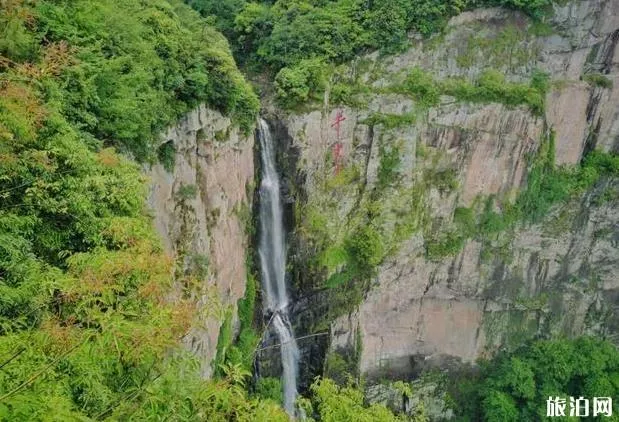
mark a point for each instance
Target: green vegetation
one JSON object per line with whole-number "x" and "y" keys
{"x": 332, "y": 403}
{"x": 342, "y": 366}
{"x": 341, "y": 369}
{"x": 329, "y": 402}
{"x": 242, "y": 351}
{"x": 390, "y": 121}
{"x": 362, "y": 251}
{"x": 444, "y": 244}
{"x": 598, "y": 79}
{"x": 166, "y": 154}
{"x": 444, "y": 180}
{"x": 269, "y": 388}
{"x": 514, "y": 386}
{"x": 388, "y": 166}
{"x": 121, "y": 74}
{"x": 296, "y": 85}
{"x": 365, "y": 249}
{"x": 509, "y": 48}
{"x": 548, "y": 184}
{"x": 87, "y": 328}
{"x": 420, "y": 86}
{"x": 491, "y": 86}
{"x": 224, "y": 341}
{"x": 346, "y": 176}
{"x": 284, "y": 33}
{"x": 186, "y": 192}
{"x": 290, "y": 37}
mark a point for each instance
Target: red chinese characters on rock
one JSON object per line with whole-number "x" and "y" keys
{"x": 337, "y": 147}
{"x": 337, "y": 157}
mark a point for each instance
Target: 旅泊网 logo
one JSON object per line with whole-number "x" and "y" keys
{"x": 579, "y": 407}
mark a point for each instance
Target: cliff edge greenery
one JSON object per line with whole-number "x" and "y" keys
{"x": 297, "y": 40}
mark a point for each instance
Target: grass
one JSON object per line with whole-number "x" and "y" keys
{"x": 506, "y": 48}
{"x": 444, "y": 244}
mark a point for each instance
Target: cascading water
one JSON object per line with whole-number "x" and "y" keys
{"x": 272, "y": 251}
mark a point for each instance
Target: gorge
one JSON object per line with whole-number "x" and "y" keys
{"x": 395, "y": 210}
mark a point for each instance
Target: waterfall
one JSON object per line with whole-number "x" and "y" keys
{"x": 272, "y": 251}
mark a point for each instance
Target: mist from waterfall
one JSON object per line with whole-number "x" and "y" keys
{"x": 272, "y": 251}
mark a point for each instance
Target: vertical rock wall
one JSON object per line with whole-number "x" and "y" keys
{"x": 558, "y": 277}
{"x": 201, "y": 208}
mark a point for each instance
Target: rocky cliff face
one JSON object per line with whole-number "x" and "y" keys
{"x": 201, "y": 206}
{"x": 407, "y": 158}
{"x": 556, "y": 281}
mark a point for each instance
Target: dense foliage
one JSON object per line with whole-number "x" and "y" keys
{"x": 121, "y": 71}
{"x": 515, "y": 386}
{"x": 87, "y": 330}
{"x": 84, "y": 321}
{"x": 333, "y": 403}
{"x": 297, "y": 38}
{"x": 282, "y": 33}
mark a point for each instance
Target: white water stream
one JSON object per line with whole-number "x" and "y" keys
{"x": 272, "y": 251}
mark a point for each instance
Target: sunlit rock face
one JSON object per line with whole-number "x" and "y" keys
{"x": 201, "y": 207}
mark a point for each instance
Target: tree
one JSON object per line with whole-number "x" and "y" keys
{"x": 514, "y": 386}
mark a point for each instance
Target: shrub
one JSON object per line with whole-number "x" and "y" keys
{"x": 532, "y": 7}
{"x": 444, "y": 244}
{"x": 127, "y": 88}
{"x": 540, "y": 81}
{"x": 298, "y": 84}
{"x": 388, "y": 166}
{"x": 166, "y": 154}
{"x": 598, "y": 79}
{"x": 444, "y": 180}
{"x": 85, "y": 283}
{"x": 547, "y": 186}
{"x": 390, "y": 121}
{"x": 187, "y": 192}
{"x": 365, "y": 248}
{"x": 490, "y": 86}
{"x": 422, "y": 87}
{"x": 334, "y": 403}
{"x": 280, "y": 34}
{"x": 464, "y": 218}
{"x": 269, "y": 388}
{"x": 224, "y": 341}
{"x": 224, "y": 12}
